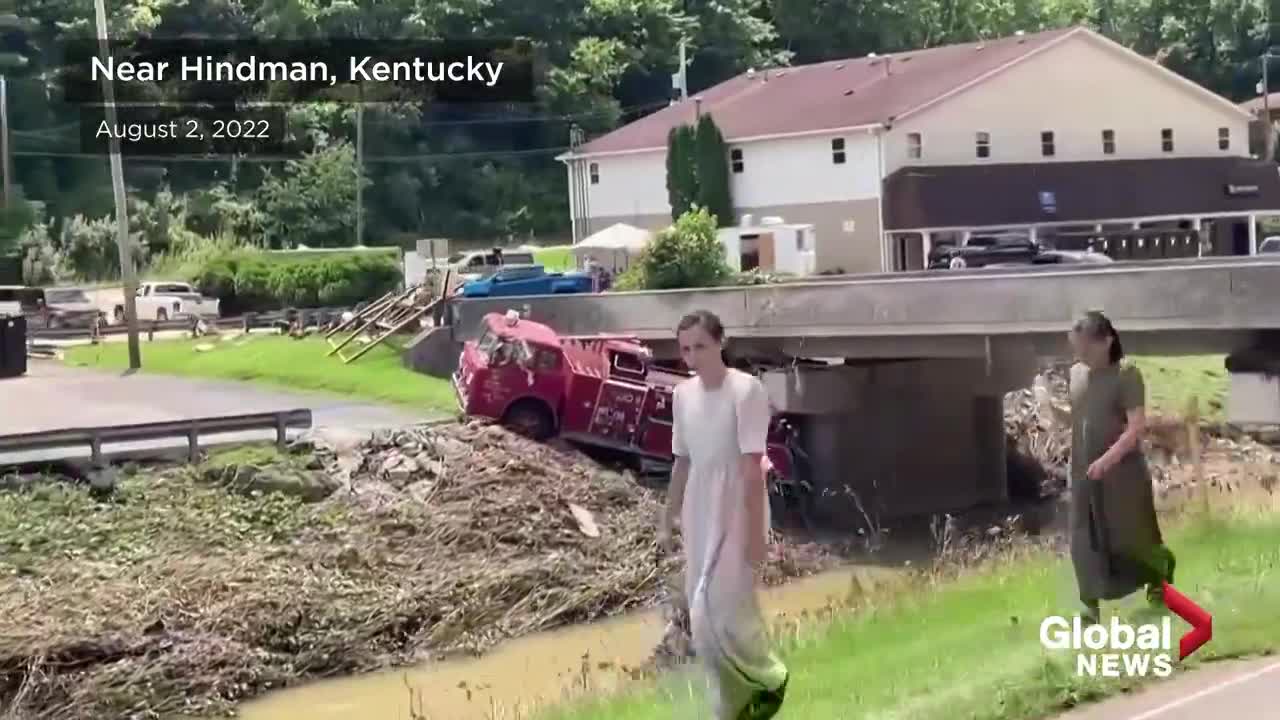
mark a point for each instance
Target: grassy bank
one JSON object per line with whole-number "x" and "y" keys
{"x": 1172, "y": 382}
{"x": 283, "y": 362}
{"x": 969, "y": 647}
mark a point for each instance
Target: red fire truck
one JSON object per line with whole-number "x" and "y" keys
{"x": 601, "y": 390}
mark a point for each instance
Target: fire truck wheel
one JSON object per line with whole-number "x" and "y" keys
{"x": 531, "y": 419}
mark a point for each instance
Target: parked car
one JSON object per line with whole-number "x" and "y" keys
{"x": 528, "y": 280}
{"x": 163, "y": 301}
{"x": 1270, "y": 245}
{"x": 984, "y": 250}
{"x": 602, "y": 391}
{"x": 69, "y": 307}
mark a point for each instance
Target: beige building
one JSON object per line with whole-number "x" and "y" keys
{"x": 1059, "y": 134}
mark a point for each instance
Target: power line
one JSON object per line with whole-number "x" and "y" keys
{"x": 73, "y": 126}
{"x": 286, "y": 158}
{"x": 536, "y": 118}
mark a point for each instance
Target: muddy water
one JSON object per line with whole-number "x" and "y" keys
{"x": 521, "y": 673}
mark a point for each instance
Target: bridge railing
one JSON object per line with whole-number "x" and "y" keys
{"x": 191, "y": 429}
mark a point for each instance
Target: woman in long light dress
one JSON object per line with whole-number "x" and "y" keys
{"x": 719, "y": 498}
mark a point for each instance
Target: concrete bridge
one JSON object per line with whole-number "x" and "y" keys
{"x": 912, "y": 420}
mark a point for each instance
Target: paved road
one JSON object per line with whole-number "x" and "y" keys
{"x": 1244, "y": 690}
{"x": 53, "y": 396}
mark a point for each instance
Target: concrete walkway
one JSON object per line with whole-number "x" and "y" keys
{"x": 53, "y": 396}
{"x": 1234, "y": 690}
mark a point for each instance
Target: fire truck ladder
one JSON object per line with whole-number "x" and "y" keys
{"x": 387, "y": 316}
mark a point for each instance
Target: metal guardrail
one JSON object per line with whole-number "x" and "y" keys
{"x": 247, "y": 321}
{"x": 192, "y": 429}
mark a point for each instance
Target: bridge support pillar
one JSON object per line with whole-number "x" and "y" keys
{"x": 890, "y": 439}
{"x": 1253, "y": 398}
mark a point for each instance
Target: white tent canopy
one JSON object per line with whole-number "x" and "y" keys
{"x": 617, "y": 244}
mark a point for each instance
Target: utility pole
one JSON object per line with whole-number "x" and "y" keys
{"x": 684, "y": 73}
{"x": 130, "y": 281}
{"x": 360, "y": 170}
{"x": 1269, "y": 128}
{"x": 680, "y": 78}
{"x": 4, "y": 141}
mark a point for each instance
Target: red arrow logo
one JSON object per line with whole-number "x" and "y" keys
{"x": 1201, "y": 621}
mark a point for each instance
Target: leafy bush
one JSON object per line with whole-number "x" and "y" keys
{"x": 685, "y": 255}
{"x": 91, "y": 251}
{"x": 250, "y": 280}
{"x": 189, "y": 254}
{"x": 43, "y": 263}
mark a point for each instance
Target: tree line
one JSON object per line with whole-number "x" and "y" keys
{"x": 489, "y": 173}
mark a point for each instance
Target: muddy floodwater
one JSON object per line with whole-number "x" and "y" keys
{"x": 527, "y": 671}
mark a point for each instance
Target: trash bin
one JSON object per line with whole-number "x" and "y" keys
{"x": 13, "y": 346}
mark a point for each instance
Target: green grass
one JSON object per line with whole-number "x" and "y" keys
{"x": 377, "y": 376}
{"x": 1172, "y": 382}
{"x": 969, "y": 648}
{"x": 555, "y": 259}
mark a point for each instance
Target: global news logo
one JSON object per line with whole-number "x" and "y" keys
{"x": 1130, "y": 651}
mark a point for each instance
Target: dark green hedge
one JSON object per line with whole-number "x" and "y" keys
{"x": 257, "y": 282}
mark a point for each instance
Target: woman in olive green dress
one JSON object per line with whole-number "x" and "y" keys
{"x": 1116, "y": 544}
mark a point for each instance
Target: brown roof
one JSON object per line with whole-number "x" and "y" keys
{"x": 1010, "y": 194}
{"x": 829, "y": 95}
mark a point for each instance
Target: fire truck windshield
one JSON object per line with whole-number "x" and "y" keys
{"x": 487, "y": 343}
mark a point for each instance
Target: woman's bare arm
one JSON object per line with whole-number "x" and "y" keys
{"x": 1135, "y": 425}
{"x": 675, "y": 493}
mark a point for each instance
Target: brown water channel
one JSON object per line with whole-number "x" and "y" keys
{"x": 519, "y": 674}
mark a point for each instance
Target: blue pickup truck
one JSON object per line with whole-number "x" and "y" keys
{"x": 527, "y": 280}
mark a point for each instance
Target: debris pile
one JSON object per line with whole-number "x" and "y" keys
{"x": 194, "y": 588}
{"x": 1039, "y": 447}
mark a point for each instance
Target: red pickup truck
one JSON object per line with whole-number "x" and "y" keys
{"x": 601, "y": 390}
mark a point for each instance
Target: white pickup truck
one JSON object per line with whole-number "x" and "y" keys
{"x": 168, "y": 301}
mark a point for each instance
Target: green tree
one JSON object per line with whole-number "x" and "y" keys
{"x": 313, "y": 201}
{"x": 685, "y": 255}
{"x": 713, "y": 172}
{"x": 682, "y": 180}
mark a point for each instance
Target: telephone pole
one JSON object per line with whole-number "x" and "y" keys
{"x": 360, "y": 170}
{"x": 1268, "y": 125}
{"x": 127, "y": 276}
{"x": 4, "y": 141}
{"x": 679, "y": 78}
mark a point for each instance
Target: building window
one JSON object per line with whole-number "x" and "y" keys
{"x": 837, "y": 151}
{"x": 915, "y": 146}
{"x": 1224, "y": 138}
{"x": 595, "y": 173}
{"x": 1166, "y": 139}
{"x": 1108, "y": 142}
{"x": 983, "y": 145}
{"x": 735, "y": 159}
{"x": 1046, "y": 143}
